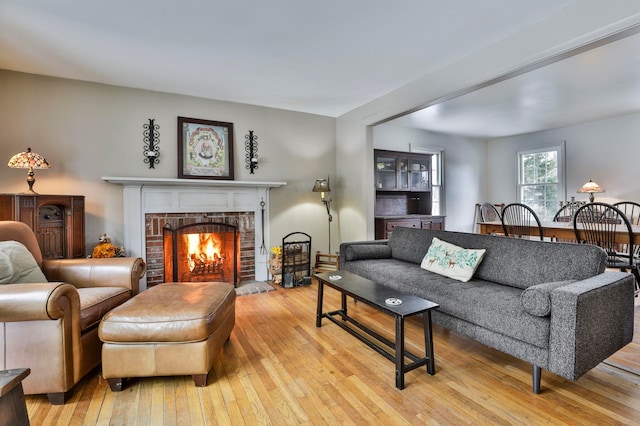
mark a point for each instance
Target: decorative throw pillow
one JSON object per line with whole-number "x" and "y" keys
{"x": 536, "y": 299}
{"x": 17, "y": 264}
{"x": 367, "y": 251}
{"x": 452, "y": 261}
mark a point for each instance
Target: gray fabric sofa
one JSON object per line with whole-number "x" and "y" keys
{"x": 550, "y": 304}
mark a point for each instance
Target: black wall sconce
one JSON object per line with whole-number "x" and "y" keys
{"x": 151, "y": 140}
{"x": 251, "y": 151}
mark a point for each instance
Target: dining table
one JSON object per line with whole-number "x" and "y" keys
{"x": 560, "y": 231}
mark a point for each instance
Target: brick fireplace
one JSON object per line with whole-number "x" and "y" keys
{"x": 150, "y": 203}
{"x": 157, "y": 224}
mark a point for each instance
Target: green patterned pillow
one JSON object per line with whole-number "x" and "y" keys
{"x": 17, "y": 264}
{"x": 452, "y": 261}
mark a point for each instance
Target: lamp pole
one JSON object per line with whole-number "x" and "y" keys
{"x": 327, "y": 204}
{"x": 322, "y": 186}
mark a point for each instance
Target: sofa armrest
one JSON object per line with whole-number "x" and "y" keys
{"x": 344, "y": 247}
{"x": 97, "y": 272}
{"x": 38, "y": 301}
{"x": 590, "y": 320}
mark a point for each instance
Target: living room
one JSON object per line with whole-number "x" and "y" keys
{"x": 89, "y": 130}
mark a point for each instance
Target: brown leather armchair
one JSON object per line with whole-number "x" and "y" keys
{"x": 52, "y": 327}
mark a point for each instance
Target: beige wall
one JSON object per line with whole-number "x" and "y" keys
{"x": 87, "y": 131}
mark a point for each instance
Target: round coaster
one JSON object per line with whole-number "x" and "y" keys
{"x": 393, "y": 301}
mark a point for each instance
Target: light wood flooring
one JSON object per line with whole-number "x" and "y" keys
{"x": 279, "y": 369}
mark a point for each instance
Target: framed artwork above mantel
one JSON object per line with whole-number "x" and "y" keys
{"x": 205, "y": 149}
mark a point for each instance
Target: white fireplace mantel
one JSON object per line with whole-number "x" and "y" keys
{"x": 141, "y": 181}
{"x": 167, "y": 195}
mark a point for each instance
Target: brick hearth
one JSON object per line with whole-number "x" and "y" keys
{"x": 155, "y": 222}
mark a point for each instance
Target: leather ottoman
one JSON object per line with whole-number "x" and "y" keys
{"x": 171, "y": 329}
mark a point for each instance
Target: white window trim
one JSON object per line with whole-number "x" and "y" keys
{"x": 435, "y": 150}
{"x": 561, "y": 149}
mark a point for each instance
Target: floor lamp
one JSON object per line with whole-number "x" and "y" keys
{"x": 322, "y": 186}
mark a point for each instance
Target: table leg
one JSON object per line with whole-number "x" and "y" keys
{"x": 344, "y": 306}
{"x": 319, "y": 308}
{"x": 399, "y": 352}
{"x": 428, "y": 343}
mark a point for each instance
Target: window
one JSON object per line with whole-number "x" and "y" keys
{"x": 541, "y": 179}
{"x": 437, "y": 178}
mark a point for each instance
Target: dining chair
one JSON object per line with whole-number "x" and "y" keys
{"x": 520, "y": 221}
{"x": 490, "y": 213}
{"x": 566, "y": 212}
{"x": 606, "y": 226}
{"x": 631, "y": 210}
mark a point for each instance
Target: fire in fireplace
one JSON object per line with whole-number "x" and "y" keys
{"x": 205, "y": 251}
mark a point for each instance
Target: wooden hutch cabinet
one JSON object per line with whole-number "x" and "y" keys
{"x": 403, "y": 192}
{"x": 57, "y": 221}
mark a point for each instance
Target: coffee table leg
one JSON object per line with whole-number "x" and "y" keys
{"x": 319, "y": 309}
{"x": 428, "y": 343}
{"x": 399, "y": 352}
{"x": 344, "y": 306}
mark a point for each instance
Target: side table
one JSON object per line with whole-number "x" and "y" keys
{"x": 13, "y": 408}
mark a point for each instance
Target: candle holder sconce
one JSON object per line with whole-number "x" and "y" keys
{"x": 151, "y": 140}
{"x": 251, "y": 151}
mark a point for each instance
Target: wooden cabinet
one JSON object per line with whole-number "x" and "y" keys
{"x": 401, "y": 171}
{"x": 403, "y": 192}
{"x": 402, "y": 183}
{"x": 386, "y": 225}
{"x": 433, "y": 222}
{"x": 57, "y": 221}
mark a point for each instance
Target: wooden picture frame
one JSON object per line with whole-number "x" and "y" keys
{"x": 205, "y": 149}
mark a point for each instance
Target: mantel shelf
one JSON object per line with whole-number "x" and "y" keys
{"x": 143, "y": 181}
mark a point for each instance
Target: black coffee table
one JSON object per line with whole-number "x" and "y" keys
{"x": 381, "y": 298}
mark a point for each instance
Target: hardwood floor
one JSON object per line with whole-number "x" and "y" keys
{"x": 278, "y": 369}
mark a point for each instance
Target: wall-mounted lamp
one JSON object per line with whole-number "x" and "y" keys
{"x": 322, "y": 186}
{"x": 251, "y": 151}
{"x": 151, "y": 140}
{"x": 29, "y": 160}
{"x": 591, "y": 187}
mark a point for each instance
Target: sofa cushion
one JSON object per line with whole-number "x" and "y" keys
{"x": 409, "y": 246}
{"x": 17, "y": 264}
{"x": 368, "y": 251}
{"x": 451, "y": 260}
{"x": 95, "y": 302}
{"x": 493, "y": 306}
{"x": 511, "y": 261}
{"x": 537, "y": 299}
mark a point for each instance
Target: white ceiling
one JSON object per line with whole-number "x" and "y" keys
{"x": 324, "y": 57}
{"x": 598, "y": 83}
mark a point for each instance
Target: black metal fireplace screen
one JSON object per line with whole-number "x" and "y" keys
{"x": 197, "y": 252}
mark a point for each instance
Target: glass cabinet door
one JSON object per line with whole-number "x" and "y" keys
{"x": 420, "y": 172}
{"x": 386, "y": 167}
{"x": 403, "y": 173}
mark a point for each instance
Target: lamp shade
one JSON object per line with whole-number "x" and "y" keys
{"x": 28, "y": 159}
{"x": 321, "y": 185}
{"x": 591, "y": 187}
